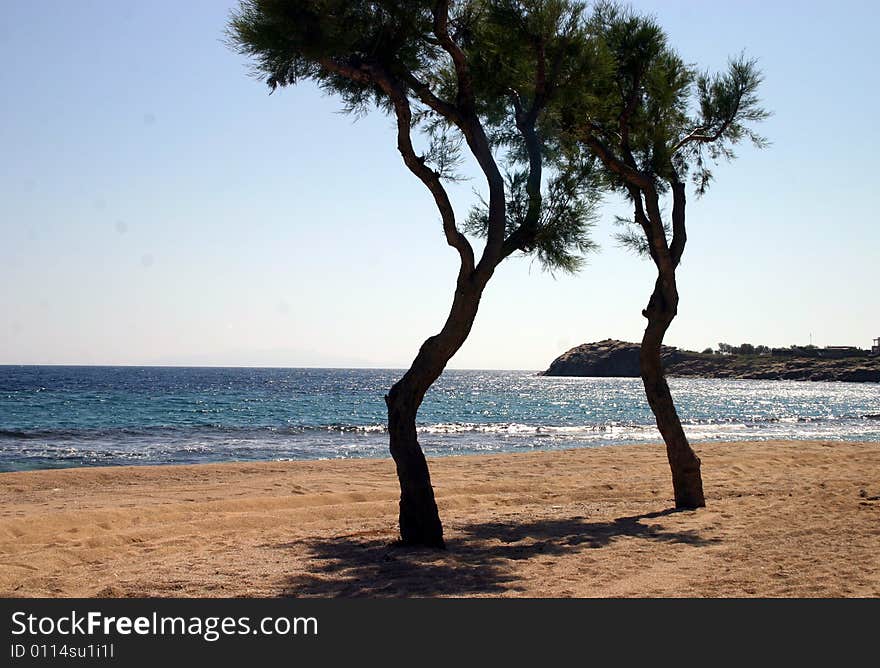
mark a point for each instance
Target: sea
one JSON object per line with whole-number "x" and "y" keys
{"x": 65, "y": 416}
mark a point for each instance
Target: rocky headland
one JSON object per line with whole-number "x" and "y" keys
{"x": 612, "y": 358}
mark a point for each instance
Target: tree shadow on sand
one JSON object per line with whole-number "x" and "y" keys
{"x": 479, "y": 559}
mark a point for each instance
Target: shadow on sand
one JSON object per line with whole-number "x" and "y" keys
{"x": 478, "y": 560}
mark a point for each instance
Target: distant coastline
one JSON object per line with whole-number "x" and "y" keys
{"x": 612, "y": 358}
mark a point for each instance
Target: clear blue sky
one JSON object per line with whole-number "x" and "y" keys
{"x": 157, "y": 206}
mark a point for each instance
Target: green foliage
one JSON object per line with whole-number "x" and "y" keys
{"x": 642, "y": 88}
{"x": 527, "y": 58}
{"x": 728, "y": 103}
{"x": 286, "y": 40}
{"x": 523, "y": 57}
{"x": 563, "y": 239}
{"x": 649, "y": 120}
{"x": 443, "y": 153}
{"x": 566, "y": 219}
{"x": 632, "y": 237}
{"x": 477, "y": 221}
{"x": 657, "y": 113}
{"x": 544, "y": 71}
{"x": 506, "y": 46}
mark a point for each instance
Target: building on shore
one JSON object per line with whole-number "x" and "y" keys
{"x": 828, "y": 352}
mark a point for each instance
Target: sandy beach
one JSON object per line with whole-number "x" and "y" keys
{"x": 783, "y": 519}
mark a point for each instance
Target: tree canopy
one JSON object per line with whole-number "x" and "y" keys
{"x": 554, "y": 103}
{"x": 654, "y": 121}
{"x": 651, "y": 121}
{"x": 489, "y": 74}
{"x": 485, "y": 74}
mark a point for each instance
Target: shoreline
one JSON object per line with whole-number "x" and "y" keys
{"x": 431, "y": 454}
{"x": 783, "y": 518}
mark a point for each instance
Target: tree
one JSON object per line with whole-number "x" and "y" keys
{"x": 652, "y": 121}
{"x": 434, "y": 67}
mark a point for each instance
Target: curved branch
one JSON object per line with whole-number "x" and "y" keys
{"x": 403, "y": 112}
{"x": 624, "y": 118}
{"x": 475, "y": 136}
{"x": 541, "y": 87}
{"x": 429, "y": 98}
{"x": 524, "y": 235}
{"x": 696, "y": 135}
{"x": 459, "y": 60}
{"x": 659, "y": 246}
{"x": 679, "y": 231}
{"x": 629, "y": 174}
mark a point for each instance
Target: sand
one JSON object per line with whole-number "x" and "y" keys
{"x": 782, "y": 519}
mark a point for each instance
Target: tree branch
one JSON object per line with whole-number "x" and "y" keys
{"x": 524, "y": 235}
{"x": 459, "y": 60}
{"x": 540, "y": 99}
{"x": 641, "y": 218}
{"x": 658, "y": 244}
{"x": 679, "y": 232}
{"x": 475, "y": 136}
{"x": 628, "y": 173}
{"x": 696, "y": 135}
{"x": 624, "y": 118}
{"x": 430, "y": 99}
{"x": 403, "y": 112}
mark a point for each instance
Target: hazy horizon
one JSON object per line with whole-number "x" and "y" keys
{"x": 246, "y": 365}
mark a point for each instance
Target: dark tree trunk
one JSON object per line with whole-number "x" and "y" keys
{"x": 687, "y": 482}
{"x": 419, "y": 519}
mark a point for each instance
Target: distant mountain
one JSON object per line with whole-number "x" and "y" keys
{"x": 612, "y": 358}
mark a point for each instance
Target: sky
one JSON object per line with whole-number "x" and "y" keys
{"x": 158, "y": 206}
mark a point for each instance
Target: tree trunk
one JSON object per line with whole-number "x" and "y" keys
{"x": 687, "y": 482}
{"x": 419, "y": 519}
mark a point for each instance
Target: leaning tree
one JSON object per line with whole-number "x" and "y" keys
{"x": 480, "y": 74}
{"x": 653, "y": 122}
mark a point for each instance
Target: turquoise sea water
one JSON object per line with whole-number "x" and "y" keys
{"x": 80, "y": 416}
